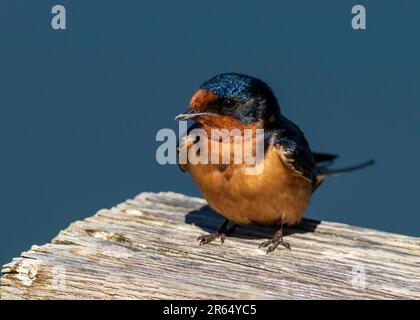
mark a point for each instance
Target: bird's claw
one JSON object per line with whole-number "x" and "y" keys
{"x": 272, "y": 244}
{"x": 207, "y": 238}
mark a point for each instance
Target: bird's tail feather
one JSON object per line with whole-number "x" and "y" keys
{"x": 325, "y": 171}
{"x": 324, "y": 157}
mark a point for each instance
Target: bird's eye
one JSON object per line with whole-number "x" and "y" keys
{"x": 229, "y": 103}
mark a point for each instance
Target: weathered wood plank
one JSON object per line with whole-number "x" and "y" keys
{"x": 145, "y": 248}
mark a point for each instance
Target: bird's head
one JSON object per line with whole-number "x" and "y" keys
{"x": 233, "y": 100}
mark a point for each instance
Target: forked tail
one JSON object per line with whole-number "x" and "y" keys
{"x": 325, "y": 171}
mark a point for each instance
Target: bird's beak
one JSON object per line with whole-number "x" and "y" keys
{"x": 191, "y": 115}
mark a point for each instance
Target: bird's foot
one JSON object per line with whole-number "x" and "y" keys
{"x": 274, "y": 242}
{"x": 222, "y": 234}
{"x": 207, "y": 238}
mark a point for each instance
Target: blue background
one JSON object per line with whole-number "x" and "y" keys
{"x": 79, "y": 109}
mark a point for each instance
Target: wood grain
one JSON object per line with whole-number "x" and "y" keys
{"x": 145, "y": 248}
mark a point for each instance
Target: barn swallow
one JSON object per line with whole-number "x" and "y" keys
{"x": 278, "y": 195}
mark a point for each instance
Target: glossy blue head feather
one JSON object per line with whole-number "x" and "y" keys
{"x": 254, "y": 99}
{"x": 230, "y": 85}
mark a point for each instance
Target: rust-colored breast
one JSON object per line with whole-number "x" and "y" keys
{"x": 274, "y": 196}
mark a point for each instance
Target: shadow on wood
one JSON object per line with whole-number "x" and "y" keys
{"x": 209, "y": 221}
